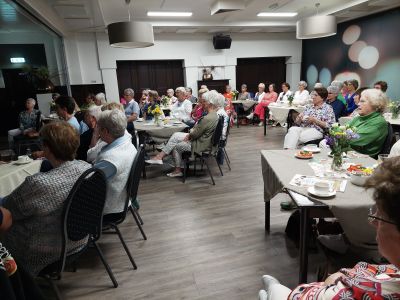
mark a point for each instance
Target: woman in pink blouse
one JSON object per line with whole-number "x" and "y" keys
{"x": 268, "y": 98}
{"x": 363, "y": 281}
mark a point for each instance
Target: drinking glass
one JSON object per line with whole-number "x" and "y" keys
{"x": 382, "y": 157}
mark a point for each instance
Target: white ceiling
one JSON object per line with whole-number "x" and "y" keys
{"x": 95, "y": 15}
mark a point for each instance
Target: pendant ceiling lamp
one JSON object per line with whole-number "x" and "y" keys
{"x": 130, "y": 34}
{"x": 316, "y": 26}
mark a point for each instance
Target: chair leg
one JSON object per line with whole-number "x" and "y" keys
{"x": 209, "y": 171}
{"x": 125, "y": 246}
{"x": 219, "y": 166}
{"x": 138, "y": 215}
{"x": 185, "y": 169}
{"x": 226, "y": 155}
{"x": 54, "y": 287}
{"x": 227, "y": 160}
{"x": 135, "y": 217}
{"x": 108, "y": 269}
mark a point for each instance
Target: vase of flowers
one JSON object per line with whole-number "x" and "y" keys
{"x": 290, "y": 99}
{"x": 394, "y": 107}
{"x": 156, "y": 112}
{"x": 165, "y": 100}
{"x": 338, "y": 139}
{"x": 234, "y": 94}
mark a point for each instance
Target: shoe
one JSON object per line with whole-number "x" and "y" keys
{"x": 284, "y": 125}
{"x": 154, "y": 161}
{"x": 260, "y": 124}
{"x": 334, "y": 242}
{"x": 275, "y": 124}
{"x": 250, "y": 116}
{"x": 180, "y": 174}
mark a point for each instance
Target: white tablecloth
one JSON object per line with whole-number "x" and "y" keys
{"x": 280, "y": 112}
{"x": 247, "y": 104}
{"x": 12, "y": 175}
{"x": 160, "y": 133}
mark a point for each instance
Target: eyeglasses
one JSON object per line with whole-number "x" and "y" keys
{"x": 372, "y": 216}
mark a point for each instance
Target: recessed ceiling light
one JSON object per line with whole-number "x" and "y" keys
{"x": 17, "y": 60}
{"x": 277, "y": 14}
{"x": 168, "y": 14}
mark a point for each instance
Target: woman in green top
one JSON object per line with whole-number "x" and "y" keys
{"x": 370, "y": 124}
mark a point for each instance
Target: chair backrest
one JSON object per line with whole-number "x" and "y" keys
{"x": 135, "y": 175}
{"x": 83, "y": 209}
{"x": 387, "y": 145}
{"x": 218, "y": 131}
{"x": 38, "y": 120}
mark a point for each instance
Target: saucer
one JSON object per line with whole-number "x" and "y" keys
{"x": 311, "y": 149}
{"x": 22, "y": 162}
{"x": 177, "y": 123}
{"x": 327, "y": 194}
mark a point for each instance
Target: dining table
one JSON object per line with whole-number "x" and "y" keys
{"x": 246, "y": 104}
{"x": 13, "y": 174}
{"x": 280, "y": 111}
{"x": 159, "y": 132}
{"x": 350, "y": 207}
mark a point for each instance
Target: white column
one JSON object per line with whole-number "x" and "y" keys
{"x": 293, "y": 71}
{"x": 110, "y": 84}
{"x": 191, "y": 77}
{"x": 230, "y": 71}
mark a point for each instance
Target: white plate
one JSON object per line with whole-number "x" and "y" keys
{"x": 311, "y": 149}
{"x": 313, "y": 192}
{"x": 139, "y": 120}
{"x": 177, "y": 123}
{"x": 23, "y": 162}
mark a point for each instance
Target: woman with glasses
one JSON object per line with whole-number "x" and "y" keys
{"x": 312, "y": 122}
{"x": 352, "y": 86}
{"x": 364, "y": 281}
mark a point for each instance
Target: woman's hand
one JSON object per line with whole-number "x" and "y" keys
{"x": 187, "y": 138}
{"x": 332, "y": 278}
{"x": 312, "y": 120}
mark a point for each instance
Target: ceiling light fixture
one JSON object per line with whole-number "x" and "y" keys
{"x": 316, "y": 26}
{"x": 130, "y": 34}
{"x": 168, "y": 14}
{"x": 277, "y": 14}
{"x": 17, "y": 60}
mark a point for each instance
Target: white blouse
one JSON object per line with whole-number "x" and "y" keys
{"x": 301, "y": 98}
{"x": 283, "y": 98}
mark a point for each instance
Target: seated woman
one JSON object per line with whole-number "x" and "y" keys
{"x": 88, "y": 102}
{"x": 301, "y": 96}
{"x": 364, "y": 281}
{"x": 198, "y": 112}
{"x": 352, "y": 86}
{"x": 312, "y": 122}
{"x": 27, "y": 121}
{"x": 151, "y": 105}
{"x": 268, "y": 98}
{"x": 37, "y": 204}
{"x": 196, "y": 141}
{"x": 370, "y": 125}
{"x": 244, "y": 94}
{"x": 356, "y": 98}
{"x": 100, "y": 99}
{"x": 171, "y": 97}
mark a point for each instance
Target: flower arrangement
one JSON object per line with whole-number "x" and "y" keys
{"x": 290, "y": 99}
{"x": 234, "y": 94}
{"x": 156, "y": 112}
{"x": 165, "y": 100}
{"x": 338, "y": 139}
{"x": 394, "y": 107}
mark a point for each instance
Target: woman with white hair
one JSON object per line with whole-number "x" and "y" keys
{"x": 100, "y": 99}
{"x": 301, "y": 96}
{"x": 198, "y": 140}
{"x": 171, "y": 97}
{"x": 370, "y": 125}
{"x": 182, "y": 108}
{"x": 338, "y": 107}
{"x": 115, "y": 158}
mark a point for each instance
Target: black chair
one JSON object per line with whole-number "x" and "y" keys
{"x": 222, "y": 147}
{"x": 266, "y": 117}
{"x": 387, "y": 145}
{"x": 111, "y": 221}
{"x": 205, "y": 156}
{"x": 82, "y": 217}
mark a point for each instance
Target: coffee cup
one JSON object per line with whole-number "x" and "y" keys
{"x": 321, "y": 187}
{"x": 312, "y": 146}
{"x": 23, "y": 158}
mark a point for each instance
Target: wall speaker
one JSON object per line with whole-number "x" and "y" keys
{"x": 222, "y": 42}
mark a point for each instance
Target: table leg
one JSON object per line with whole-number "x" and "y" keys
{"x": 267, "y": 215}
{"x": 304, "y": 219}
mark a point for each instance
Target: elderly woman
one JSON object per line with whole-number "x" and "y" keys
{"x": 312, "y": 122}
{"x": 199, "y": 138}
{"x": 286, "y": 92}
{"x": 189, "y": 95}
{"x": 301, "y": 96}
{"x": 338, "y": 107}
{"x": 352, "y": 86}
{"x": 357, "y": 96}
{"x": 340, "y": 85}
{"x": 89, "y": 101}
{"x": 171, "y": 97}
{"x": 198, "y": 111}
{"x": 381, "y": 85}
{"x": 182, "y": 108}
{"x": 100, "y": 99}
{"x": 115, "y": 158}
{"x": 370, "y": 124}
{"x": 37, "y": 204}
{"x": 266, "y": 100}
{"x": 244, "y": 94}
{"x": 27, "y": 121}
{"x": 364, "y": 281}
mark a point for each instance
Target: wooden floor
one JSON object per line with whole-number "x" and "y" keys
{"x": 204, "y": 241}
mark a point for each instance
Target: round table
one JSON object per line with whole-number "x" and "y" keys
{"x": 160, "y": 133}
{"x": 280, "y": 111}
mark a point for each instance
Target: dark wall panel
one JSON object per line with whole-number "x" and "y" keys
{"x": 366, "y": 49}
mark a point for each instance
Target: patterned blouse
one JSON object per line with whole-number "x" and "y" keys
{"x": 324, "y": 113}
{"x": 36, "y": 206}
{"x": 28, "y": 120}
{"x": 364, "y": 281}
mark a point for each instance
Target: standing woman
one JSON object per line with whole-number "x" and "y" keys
{"x": 268, "y": 98}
